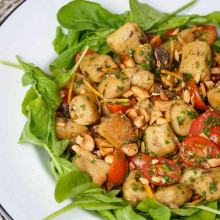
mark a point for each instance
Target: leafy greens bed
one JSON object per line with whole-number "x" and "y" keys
{"x": 88, "y": 25}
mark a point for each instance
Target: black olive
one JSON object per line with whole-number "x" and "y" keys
{"x": 162, "y": 58}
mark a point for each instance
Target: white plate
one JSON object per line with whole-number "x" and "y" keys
{"x": 26, "y": 185}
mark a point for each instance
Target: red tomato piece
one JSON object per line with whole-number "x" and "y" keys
{"x": 139, "y": 160}
{"x": 215, "y": 134}
{"x": 197, "y": 98}
{"x": 119, "y": 168}
{"x": 196, "y": 150}
{"x": 113, "y": 107}
{"x": 161, "y": 172}
{"x": 169, "y": 35}
{"x": 206, "y": 33}
{"x": 204, "y": 123}
{"x": 64, "y": 107}
{"x": 78, "y": 56}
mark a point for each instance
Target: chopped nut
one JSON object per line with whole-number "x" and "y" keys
{"x": 161, "y": 121}
{"x": 181, "y": 40}
{"x": 176, "y": 140}
{"x": 98, "y": 141}
{"x": 202, "y": 87}
{"x": 140, "y": 92}
{"x": 130, "y": 149}
{"x": 109, "y": 159}
{"x": 88, "y": 143}
{"x": 186, "y": 96}
{"x": 132, "y": 113}
{"x": 215, "y": 71}
{"x": 203, "y": 135}
{"x": 163, "y": 105}
{"x": 122, "y": 66}
{"x": 145, "y": 114}
{"x": 168, "y": 116}
{"x": 177, "y": 56}
{"x": 127, "y": 61}
{"x": 79, "y": 140}
{"x": 192, "y": 99}
{"x": 131, "y": 166}
{"x": 155, "y": 179}
{"x": 154, "y": 116}
{"x": 209, "y": 84}
{"x": 99, "y": 154}
{"x": 197, "y": 78}
{"x": 82, "y": 91}
{"x": 143, "y": 149}
{"x": 163, "y": 96}
{"x": 144, "y": 181}
{"x": 173, "y": 206}
{"x": 105, "y": 143}
{"x": 62, "y": 94}
{"x": 214, "y": 162}
{"x": 100, "y": 178}
{"x": 139, "y": 121}
{"x": 105, "y": 151}
{"x": 154, "y": 161}
{"x": 60, "y": 124}
{"x": 76, "y": 148}
{"x": 128, "y": 94}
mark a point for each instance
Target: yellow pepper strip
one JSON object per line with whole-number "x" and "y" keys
{"x": 171, "y": 74}
{"x": 92, "y": 89}
{"x": 115, "y": 100}
{"x": 73, "y": 73}
{"x": 149, "y": 192}
{"x": 71, "y": 88}
{"x": 150, "y": 85}
{"x": 197, "y": 201}
{"x": 176, "y": 159}
{"x": 172, "y": 48}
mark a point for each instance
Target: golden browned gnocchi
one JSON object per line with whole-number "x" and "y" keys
{"x": 129, "y": 36}
{"x": 133, "y": 189}
{"x": 182, "y": 116}
{"x": 113, "y": 86}
{"x": 159, "y": 140}
{"x": 95, "y": 65}
{"x": 139, "y": 76}
{"x": 196, "y": 59}
{"x": 174, "y": 196}
{"x": 213, "y": 96}
{"x": 84, "y": 110}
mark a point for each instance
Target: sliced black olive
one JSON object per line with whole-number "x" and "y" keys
{"x": 162, "y": 59}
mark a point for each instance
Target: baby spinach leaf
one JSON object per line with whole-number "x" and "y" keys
{"x": 59, "y": 147}
{"x": 144, "y": 15}
{"x": 205, "y": 214}
{"x": 60, "y": 42}
{"x": 106, "y": 214}
{"x": 30, "y": 96}
{"x": 73, "y": 184}
{"x": 84, "y": 15}
{"x": 73, "y": 38}
{"x": 216, "y": 45}
{"x": 184, "y": 212}
{"x": 155, "y": 209}
{"x": 127, "y": 213}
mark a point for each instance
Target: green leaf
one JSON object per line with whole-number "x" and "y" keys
{"x": 84, "y": 15}
{"x": 208, "y": 212}
{"x": 30, "y": 96}
{"x": 60, "y": 147}
{"x": 73, "y": 38}
{"x": 60, "y": 42}
{"x": 72, "y": 184}
{"x": 184, "y": 212}
{"x": 155, "y": 209}
{"x": 144, "y": 15}
{"x": 106, "y": 214}
{"x": 216, "y": 45}
{"x": 127, "y": 213}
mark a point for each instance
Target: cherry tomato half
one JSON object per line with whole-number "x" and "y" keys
{"x": 204, "y": 123}
{"x": 118, "y": 169}
{"x": 196, "y": 150}
{"x": 64, "y": 107}
{"x": 78, "y": 56}
{"x": 215, "y": 135}
{"x": 161, "y": 172}
{"x": 206, "y": 33}
{"x": 113, "y": 107}
{"x": 197, "y": 98}
{"x": 139, "y": 160}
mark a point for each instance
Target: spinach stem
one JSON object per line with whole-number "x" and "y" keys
{"x": 11, "y": 64}
{"x": 204, "y": 208}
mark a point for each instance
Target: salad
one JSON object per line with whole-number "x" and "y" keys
{"x": 130, "y": 113}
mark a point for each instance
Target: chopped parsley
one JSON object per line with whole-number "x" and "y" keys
{"x": 212, "y": 187}
{"x": 167, "y": 142}
{"x": 83, "y": 107}
{"x": 120, "y": 88}
{"x": 134, "y": 187}
{"x": 180, "y": 120}
{"x": 192, "y": 114}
